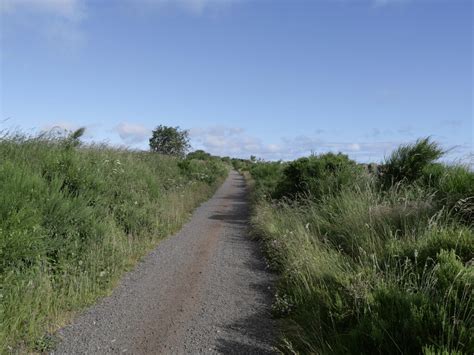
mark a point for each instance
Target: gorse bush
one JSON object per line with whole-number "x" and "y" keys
{"x": 366, "y": 269}
{"x": 73, "y": 218}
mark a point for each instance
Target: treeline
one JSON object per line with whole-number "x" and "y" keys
{"x": 74, "y": 217}
{"x": 374, "y": 261}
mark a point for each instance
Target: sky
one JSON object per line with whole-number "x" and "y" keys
{"x": 278, "y": 79}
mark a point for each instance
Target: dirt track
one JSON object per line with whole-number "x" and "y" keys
{"x": 204, "y": 290}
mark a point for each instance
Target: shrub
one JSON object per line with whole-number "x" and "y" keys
{"x": 202, "y": 170}
{"x": 317, "y": 176}
{"x": 407, "y": 162}
{"x": 266, "y": 175}
{"x": 199, "y": 154}
{"x": 241, "y": 164}
{"x": 428, "y": 243}
{"x": 453, "y": 187}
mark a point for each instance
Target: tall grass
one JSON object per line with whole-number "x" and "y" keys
{"x": 74, "y": 218}
{"x": 378, "y": 270}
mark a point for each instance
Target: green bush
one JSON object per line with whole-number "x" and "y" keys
{"x": 406, "y": 163}
{"x": 453, "y": 186}
{"x": 199, "y": 154}
{"x": 430, "y": 242}
{"x": 267, "y": 176}
{"x": 202, "y": 170}
{"x": 317, "y": 176}
{"x": 241, "y": 164}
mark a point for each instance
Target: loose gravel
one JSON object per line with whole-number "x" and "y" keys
{"x": 205, "y": 290}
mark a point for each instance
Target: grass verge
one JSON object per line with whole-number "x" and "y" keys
{"x": 365, "y": 267}
{"x": 74, "y": 218}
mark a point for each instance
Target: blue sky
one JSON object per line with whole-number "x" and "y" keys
{"x": 273, "y": 78}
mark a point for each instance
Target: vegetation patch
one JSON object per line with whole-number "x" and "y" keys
{"x": 74, "y": 217}
{"x": 370, "y": 262}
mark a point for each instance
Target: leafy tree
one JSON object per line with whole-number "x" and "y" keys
{"x": 170, "y": 141}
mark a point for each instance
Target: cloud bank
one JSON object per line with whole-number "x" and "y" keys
{"x": 71, "y": 10}
{"x": 195, "y": 7}
{"x": 236, "y": 142}
{"x": 132, "y": 133}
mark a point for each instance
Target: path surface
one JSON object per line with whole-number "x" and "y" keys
{"x": 204, "y": 290}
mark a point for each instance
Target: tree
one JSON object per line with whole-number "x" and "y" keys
{"x": 169, "y": 141}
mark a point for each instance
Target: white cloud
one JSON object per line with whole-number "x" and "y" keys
{"x": 273, "y": 148}
{"x": 195, "y": 7}
{"x": 233, "y": 141}
{"x": 238, "y": 143}
{"x": 56, "y": 20}
{"x": 353, "y": 147}
{"x": 132, "y": 133}
{"x": 199, "y": 6}
{"x": 388, "y": 2}
{"x": 71, "y": 10}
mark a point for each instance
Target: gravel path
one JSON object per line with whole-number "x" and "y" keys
{"x": 204, "y": 290}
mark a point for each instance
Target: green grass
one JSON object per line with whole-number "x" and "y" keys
{"x": 368, "y": 269}
{"x": 74, "y": 218}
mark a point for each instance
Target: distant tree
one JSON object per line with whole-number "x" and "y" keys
{"x": 169, "y": 141}
{"x": 253, "y": 158}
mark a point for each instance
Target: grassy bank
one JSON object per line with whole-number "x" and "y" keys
{"x": 73, "y": 218}
{"x": 370, "y": 262}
